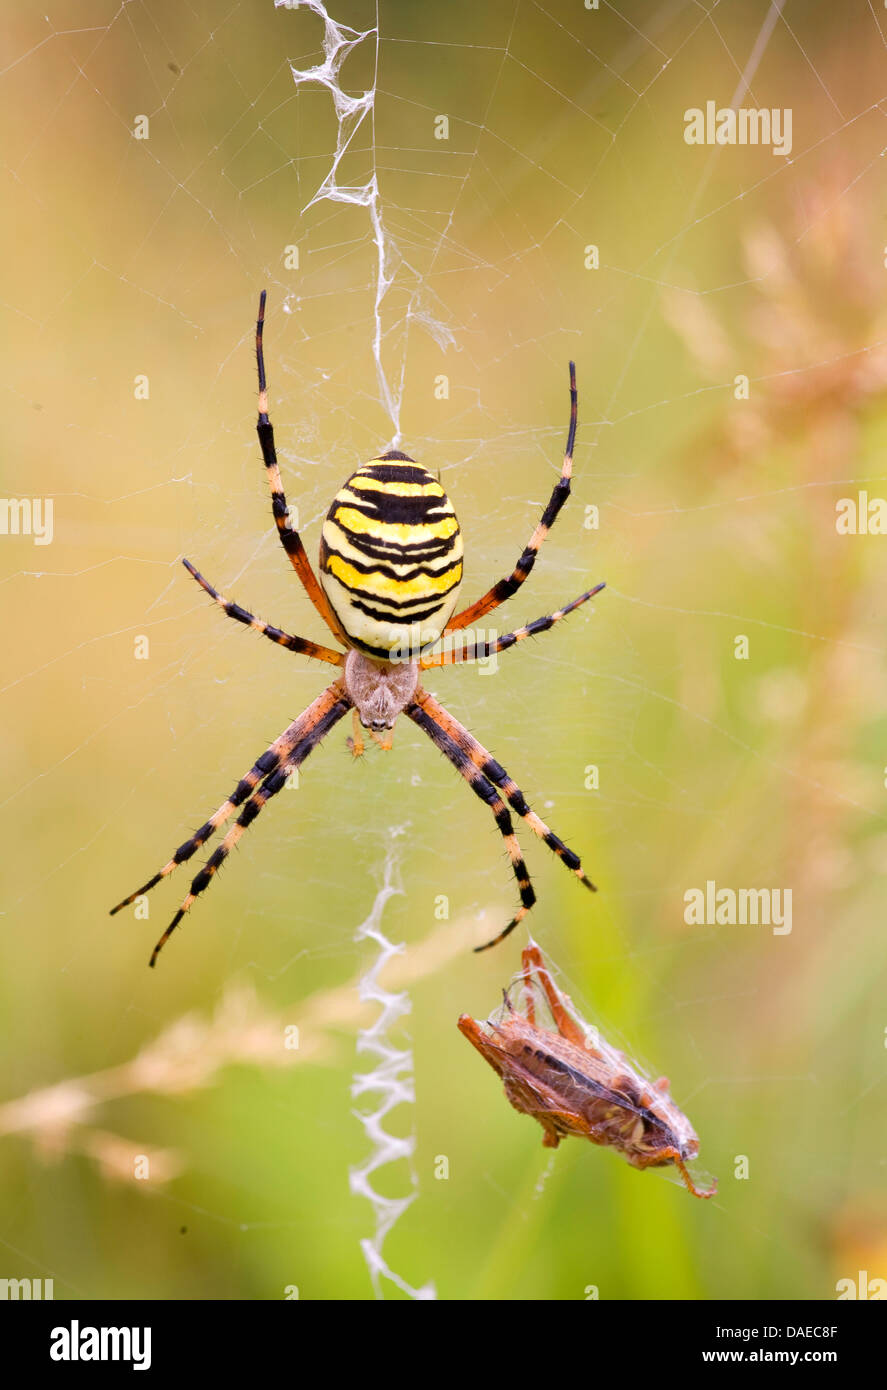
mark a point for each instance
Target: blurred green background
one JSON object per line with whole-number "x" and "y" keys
{"x": 127, "y": 257}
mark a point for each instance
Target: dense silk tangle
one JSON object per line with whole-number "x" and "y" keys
{"x": 391, "y": 557}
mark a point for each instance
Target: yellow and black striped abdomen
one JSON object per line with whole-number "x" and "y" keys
{"x": 391, "y": 557}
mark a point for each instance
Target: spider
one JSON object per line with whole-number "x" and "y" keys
{"x": 390, "y": 573}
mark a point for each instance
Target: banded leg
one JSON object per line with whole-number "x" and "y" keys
{"x": 487, "y": 792}
{"x": 269, "y": 762}
{"x": 439, "y": 724}
{"x": 315, "y": 723}
{"x": 262, "y": 768}
{"x": 477, "y": 651}
{"x": 290, "y": 540}
{"x": 275, "y": 634}
{"x": 561, "y": 491}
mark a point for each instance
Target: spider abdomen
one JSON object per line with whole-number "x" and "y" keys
{"x": 391, "y": 557}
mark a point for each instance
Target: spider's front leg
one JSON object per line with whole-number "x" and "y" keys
{"x": 560, "y": 492}
{"x": 289, "y": 538}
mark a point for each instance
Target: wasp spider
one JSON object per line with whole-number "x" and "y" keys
{"x": 390, "y": 572}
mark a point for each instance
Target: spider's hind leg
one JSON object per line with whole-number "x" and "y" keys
{"x": 419, "y": 713}
{"x": 311, "y": 726}
{"x": 266, "y": 777}
{"x": 482, "y": 771}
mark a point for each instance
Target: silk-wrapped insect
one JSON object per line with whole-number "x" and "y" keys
{"x": 573, "y": 1082}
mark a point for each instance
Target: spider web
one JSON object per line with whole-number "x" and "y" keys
{"x": 445, "y": 205}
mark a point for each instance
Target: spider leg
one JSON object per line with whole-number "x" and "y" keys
{"x": 477, "y": 651}
{"x": 262, "y": 768}
{"x": 487, "y": 792}
{"x": 290, "y": 540}
{"x": 448, "y": 733}
{"x": 314, "y": 724}
{"x": 561, "y": 491}
{"x": 283, "y": 639}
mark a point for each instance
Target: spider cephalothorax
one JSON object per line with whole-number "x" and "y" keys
{"x": 379, "y": 691}
{"x": 390, "y": 571}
